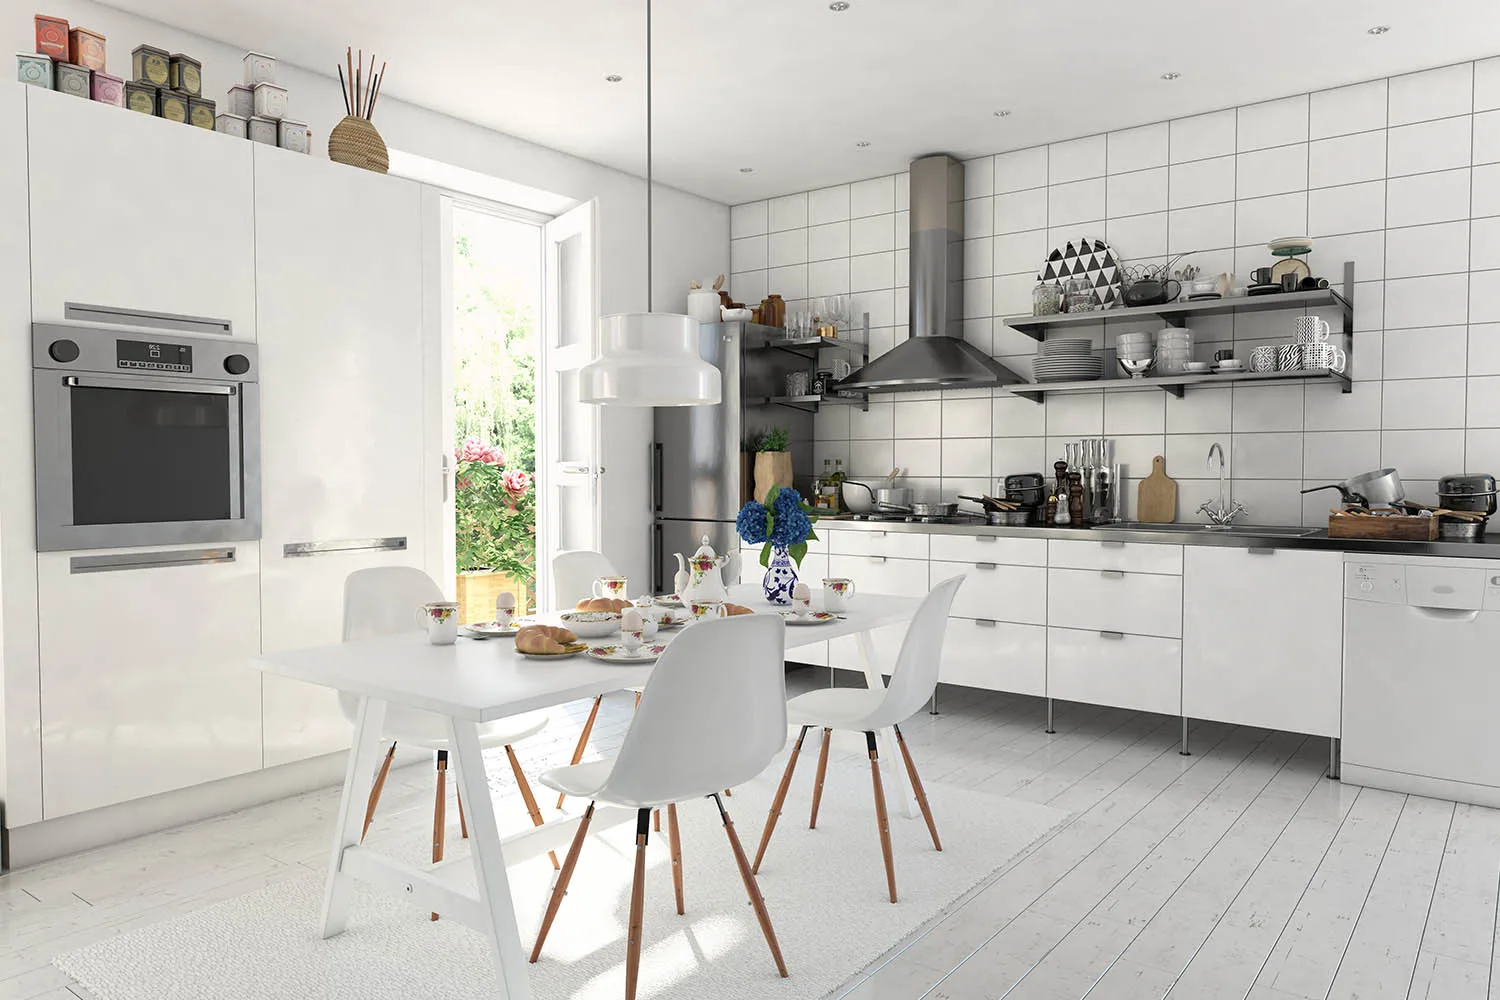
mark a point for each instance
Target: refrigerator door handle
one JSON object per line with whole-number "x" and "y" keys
{"x": 657, "y": 586}
{"x": 656, "y": 478}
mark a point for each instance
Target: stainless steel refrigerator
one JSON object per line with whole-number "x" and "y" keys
{"x": 698, "y": 452}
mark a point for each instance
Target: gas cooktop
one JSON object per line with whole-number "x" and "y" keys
{"x": 915, "y": 519}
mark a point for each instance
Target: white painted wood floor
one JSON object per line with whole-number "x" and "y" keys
{"x": 1239, "y": 872}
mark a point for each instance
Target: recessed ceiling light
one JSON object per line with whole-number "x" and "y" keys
{"x": 1002, "y": 114}
{"x": 1170, "y": 76}
{"x": 838, "y": 6}
{"x": 613, "y": 78}
{"x": 747, "y": 170}
{"x": 1379, "y": 29}
{"x": 863, "y": 143}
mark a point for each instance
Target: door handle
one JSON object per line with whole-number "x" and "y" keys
{"x": 447, "y": 476}
{"x": 292, "y": 550}
{"x": 657, "y": 484}
{"x": 1112, "y": 574}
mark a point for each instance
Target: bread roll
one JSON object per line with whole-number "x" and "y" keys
{"x": 731, "y": 610}
{"x": 611, "y": 604}
{"x": 544, "y": 639}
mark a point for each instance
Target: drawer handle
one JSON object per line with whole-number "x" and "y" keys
{"x": 878, "y": 534}
{"x": 149, "y": 560}
{"x": 986, "y": 622}
{"x": 1111, "y": 635}
{"x": 986, "y": 565}
{"x": 1260, "y": 550}
{"x": 878, "y": 559}
{"x": 986, "y": 538}
{"x": 1112, "y": 574}
{"x": 1111, "y": 545}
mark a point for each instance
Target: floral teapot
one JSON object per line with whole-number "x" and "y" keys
{"x": 699, "y": 578}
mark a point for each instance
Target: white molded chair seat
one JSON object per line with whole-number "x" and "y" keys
{"x": 580, "y": 780}
{"x": 838, "y": 708}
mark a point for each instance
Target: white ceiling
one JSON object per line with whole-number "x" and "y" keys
{"x": 788, "y": 87}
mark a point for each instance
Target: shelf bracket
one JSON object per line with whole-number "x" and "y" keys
{"x": 1174, "y": 319}
{"x": 1036, "y": 397}
{"x": 1176, "y": 390}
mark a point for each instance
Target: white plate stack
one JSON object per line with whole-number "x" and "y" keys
{"x": 1069, "y": 360}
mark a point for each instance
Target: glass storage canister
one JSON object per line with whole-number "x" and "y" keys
{"x": 797, "y": 384}
{"x": 1046, "y": 299}
{"x": 1079, "y": 295}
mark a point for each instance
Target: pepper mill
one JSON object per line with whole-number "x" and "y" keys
{"x": 1075, "y": 499}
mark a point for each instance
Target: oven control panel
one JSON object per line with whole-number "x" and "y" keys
{"x": 153, "y": 356}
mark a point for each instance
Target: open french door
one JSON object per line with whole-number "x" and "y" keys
{"x": 569, "y": 448}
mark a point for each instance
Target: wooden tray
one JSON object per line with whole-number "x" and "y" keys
{"x": 1394, "y": 527}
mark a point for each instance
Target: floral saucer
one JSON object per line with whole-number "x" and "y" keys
{"x": 813, "y": 618}
{"x": 618, "y": 654}
{"x": 494, "y": 630}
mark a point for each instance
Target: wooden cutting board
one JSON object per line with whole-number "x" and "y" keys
{"x": 1156, "y": 496}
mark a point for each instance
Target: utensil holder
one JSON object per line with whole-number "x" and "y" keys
{"x": 354, "y": 141}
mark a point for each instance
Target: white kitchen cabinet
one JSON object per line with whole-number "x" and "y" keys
{"x": 338, "y": 260}
{"x": 990, "y": 548}
{"x": 144, "y": 674}
{"x": 995, "y": 591}
{"x": 878, "y": 542}
{"x": 1132, "y": 557}
{"x": 1115, "y": 601}
{"x": 1262, "y": 637}
{"x": 1141, "y": 672}
{"x": 137, "y": 213}
{"x": 876, "y": 574}
{"x": 996, "y": 656}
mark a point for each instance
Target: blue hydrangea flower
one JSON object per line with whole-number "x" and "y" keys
{"x": 751, "y": 523}
{"x": 792, "y": 526}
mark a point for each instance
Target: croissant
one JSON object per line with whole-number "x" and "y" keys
{"x": 731, "y": 610}
{"x": 613, "y": 604}
{"x": 544, "y": 639}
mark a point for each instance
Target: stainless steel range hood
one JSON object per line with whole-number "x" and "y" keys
{"x": 936, "y": 356}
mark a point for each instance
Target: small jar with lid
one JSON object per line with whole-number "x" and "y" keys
{"x": 70, "y": 79}
{"x": 1080, "y": 295}
{"x": 172, "y": 106}
{"x": 201, "y": 113}
{"x": 1046, "y": 299}
{"x": 231, "y": 124}
{"x": 34, "y": 69}
{"x": 140, "y": 97}
{"x": 52, "y": 37}
{"x": 149, "y": 64}
{"x": 294, "y": 136}
{"x": 86, "y": 48}
{"x": 185, "y": 75}
{"x": 270, "y": 100}
{"x": 259, "y": 68}
{"x": 263, "y": 130}
{"x": 240, "y": 101}
{"x": 107, "y": 89}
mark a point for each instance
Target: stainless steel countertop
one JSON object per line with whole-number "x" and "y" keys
{"x": 1262, "y": 537}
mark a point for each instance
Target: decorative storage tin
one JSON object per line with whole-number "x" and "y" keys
{"x": 201, "y": 113}
{"x": 70, "y": 79}
{"x": 107, "y": 89}
{"x": 171, "y": 105}
{"x": 34, "y": 69}
{"x": 263, "y": 130}
{"x": 241, "y": 101}
{"x": 270, "y": 100}
{"x": 140, "y": 97}
{"x": 52, "y": 37}
{"x": 259, "y": 68}
{"x": 295, "y": 136}
{"x": 149, "y": 64}
{"x": 230, "y": 124}
{"x": 185, "y": 75}
{"x": 86, "y": 48}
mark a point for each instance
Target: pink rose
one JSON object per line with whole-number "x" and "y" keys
{"x": 473, "y": 450}
{"x": 516, "y": 482}
{"x": 493, "y": 455}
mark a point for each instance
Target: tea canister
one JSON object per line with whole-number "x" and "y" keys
{"x": 201, "y": 113}
{"x": 140, "y": 97}
{"x": 294, "y": 136}
{"x": 172, "y": 106}
{"x": 34, "y": 69}
{"x": 259, "y": 68}
{"x": 263, "y": 130}
{"x": 185, "y": 75}
{"x": 270, "y": 100}
{"x": 232, "y": 124}
{"x": 149, "y": 64}
{"x": 52, "y": 37}
{"x": 70, "y": 79}
{"x": 107, "y": 89}
{"x": 86, "y": 48}
{"x": 241, "y": 101}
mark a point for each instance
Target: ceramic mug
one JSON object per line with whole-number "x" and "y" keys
{"x": 1312, "y": 330}
{"x": 837, "y": 592}
{"x": 1288, "y": 357}
{"x": 441, "y": 619}
{"x": 1261, "y": 276}
{"x": 611, "y": 586}
{"x": 1319, "y": 356}
{"x": 1263, "y": 359}
{"x": 707, "y": 609}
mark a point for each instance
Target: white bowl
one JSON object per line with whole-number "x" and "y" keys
{"x": 1197, "y": 366}
{"x": 591, "y": 624}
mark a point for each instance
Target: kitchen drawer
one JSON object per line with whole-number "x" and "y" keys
{"x": 880, "y": 575}
{"x": 995, "y": 591}
{"x": 894, "y": 544}
{"x": 1133, "y": 557}
{"x": 1137, "y": 603}
{"x": 990, "y": 548}
{"x": 1127, "y": 671}
{"x": 996, "y": 656}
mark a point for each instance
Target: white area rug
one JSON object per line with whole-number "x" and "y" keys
{"x": 825, "y": 889}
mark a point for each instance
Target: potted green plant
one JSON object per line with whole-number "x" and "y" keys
{"x": 773, "y": 462}
{"x": 494, "y": 531}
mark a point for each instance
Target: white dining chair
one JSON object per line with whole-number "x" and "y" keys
{"x": 573, "y": 576}
{"x": 384, "y": 600}
{"x": 712, "y": 715}
{"x": 864, "y": 710}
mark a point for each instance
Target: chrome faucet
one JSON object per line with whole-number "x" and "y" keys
{"x": 1220, "y": 512}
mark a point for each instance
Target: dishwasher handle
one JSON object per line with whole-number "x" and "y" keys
{"x": 1446, "y": 614}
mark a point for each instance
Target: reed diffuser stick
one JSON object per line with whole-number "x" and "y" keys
{"x": 344, "y": 92}
{"x": 349, "y": 59}
{"x": 359, "y": 85}
{"x": 379, "y": 77}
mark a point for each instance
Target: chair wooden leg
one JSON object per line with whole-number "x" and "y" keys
{"x": 637, "y": 904}
{"x": 881, "y": 818}
{"x": 583, "y": 742}
{"x": 676, "y": 842}
{"x": 786, "y": 782}
{"x": 917, "y": 790}
{"x": 812, "y": 822}
{"x": 376, "y": 789}
{"x": 463, "y": 823}
{"x": 560, "y": 889}
{"x": 728, "y": 793}
{"x": 752, "y": 888}
{"x": 656, "y": 821}
{"x": 440, "y": 810}
{"x": 527, "y": 797}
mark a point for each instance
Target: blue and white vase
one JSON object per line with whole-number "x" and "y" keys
{"x": 781, "y": 577}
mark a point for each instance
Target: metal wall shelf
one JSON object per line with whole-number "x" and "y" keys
{"x": 810, "y": 402}
{"x": 1177, "y": 384}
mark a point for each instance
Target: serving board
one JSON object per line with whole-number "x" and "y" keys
{"x": 1156, "y": 495}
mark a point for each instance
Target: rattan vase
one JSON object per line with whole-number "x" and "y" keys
{"x": 354, "y": 141}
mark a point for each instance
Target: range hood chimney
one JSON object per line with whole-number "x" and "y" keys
{"x": 935, "y": 356}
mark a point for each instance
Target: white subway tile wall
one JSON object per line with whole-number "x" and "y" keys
{"x": 1400, "y": 175}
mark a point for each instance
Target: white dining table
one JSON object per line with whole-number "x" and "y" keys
{"x": 477, "y": 681}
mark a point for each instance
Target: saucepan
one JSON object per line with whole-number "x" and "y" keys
{"x": 862, "y": 498}
{"x": 1381, "y": 488}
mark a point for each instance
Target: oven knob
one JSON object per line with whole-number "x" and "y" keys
{"x": 236, "y": 364}
{"x": 63, "y": 350}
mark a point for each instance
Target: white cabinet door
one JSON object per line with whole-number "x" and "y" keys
{"x": 877, "y": 542}
{"x": 339, "y": 258}
{"x": 146, "y": 685}
{"x": 995, "y": 591}
{"x": 1262, "y": 639}
{"x": 1142, "y": 672}
{"x": 1138, "y": 603}
{"x": 1133, "y": 557}
{"x": 990, "y": 548}
{"x": 139, "y": 213}
{"x": 996, "y": 656}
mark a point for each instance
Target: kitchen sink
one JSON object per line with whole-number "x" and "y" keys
{"x": 1263, "y": 530}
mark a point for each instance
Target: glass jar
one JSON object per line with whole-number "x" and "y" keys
{"x": 1046, "y": 299}
{"x": 1079, "y": 295}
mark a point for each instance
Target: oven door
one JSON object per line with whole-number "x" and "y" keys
{"x": 127, "y": 460}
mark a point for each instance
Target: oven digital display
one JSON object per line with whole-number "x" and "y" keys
{"x": 157, "y": 356}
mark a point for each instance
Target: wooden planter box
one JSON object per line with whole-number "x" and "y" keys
{"x": 477, "y": 592}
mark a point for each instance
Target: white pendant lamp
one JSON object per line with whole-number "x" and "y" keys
{"x": 649, "y": 358}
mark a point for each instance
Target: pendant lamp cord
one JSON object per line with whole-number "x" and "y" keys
{"x": 650, "y": 290}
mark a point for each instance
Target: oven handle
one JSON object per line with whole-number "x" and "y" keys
{"x": 149, "y": 560}
{"x": 159, "y": 385}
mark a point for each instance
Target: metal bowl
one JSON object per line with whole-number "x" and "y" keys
{"x": 1010, "y": 518}
{"x": 1137, "y": 369}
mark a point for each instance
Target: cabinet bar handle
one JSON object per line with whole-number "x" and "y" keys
{"x": 296, "y": 549}
{"x": 1112, "y": 545}
{"x": 149, "y": 560}
{"x": 986, "y": 565}
{"x": 986, "y": 538}
{"x": 1260, "y": 550}
{"x": 1111, "y": 635}
{"x": 880, "y": 534}
{"x": 986, "y": 622}
{"x": 115, "y": 316}
{"x": 1112, "y": 574}
{"x": 878, "y": 559}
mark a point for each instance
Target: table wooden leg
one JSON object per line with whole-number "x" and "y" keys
{"x": 894, "y": 778}
{"x": 364, "y": 754}
{"x": 489, "y": 863}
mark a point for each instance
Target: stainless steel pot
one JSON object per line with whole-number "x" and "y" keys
{"x": 1010, "y": 518}
{"x": 1467, "y": 492}
{"x": 893, "y": 498}
{"x": 1460, "y": 531}
{"x": 1381, "y": 488}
